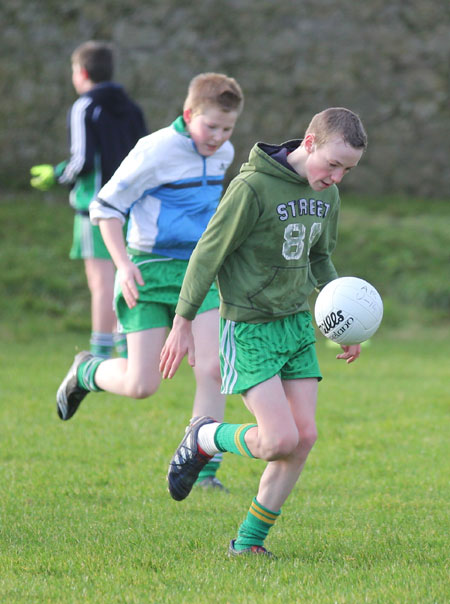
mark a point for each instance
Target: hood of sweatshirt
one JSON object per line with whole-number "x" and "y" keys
{"x": 271, "y": 159}
{"x": 111, "y": 96}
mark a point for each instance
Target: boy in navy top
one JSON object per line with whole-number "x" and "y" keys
{"x": 104, "y": 125}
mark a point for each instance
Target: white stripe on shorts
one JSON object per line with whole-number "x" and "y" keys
{"x": 151, "y": 260}
{"x": 87, "y": 238}
{"x": 228, "y": 351}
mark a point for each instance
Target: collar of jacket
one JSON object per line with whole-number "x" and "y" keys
{"x": 180, "y": 126}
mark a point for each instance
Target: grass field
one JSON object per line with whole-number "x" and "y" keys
{"x": 400, "y": 245}
{"x": 85, "y": 515}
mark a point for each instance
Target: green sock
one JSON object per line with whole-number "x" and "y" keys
{"x": 86, "y": 372}
{"x": 256, "y": 526}
{"x": 120, "y": 343}
{"x": 102, "y": 344}
{"x": 211, "y": 467}
{"x": 230, "y": 437}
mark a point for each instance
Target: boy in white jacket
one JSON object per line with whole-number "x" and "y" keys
{"x": 169, "y": 187}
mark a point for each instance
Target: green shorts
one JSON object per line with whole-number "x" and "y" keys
{"x": 251, "y": 353}
{"x": 87, "y": 240}
{"x": 158, "y": 296}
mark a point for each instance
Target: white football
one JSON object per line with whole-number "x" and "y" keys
{"x": 348, "y": 310}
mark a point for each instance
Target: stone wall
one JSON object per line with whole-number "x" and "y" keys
{"x": 387, "y": 60}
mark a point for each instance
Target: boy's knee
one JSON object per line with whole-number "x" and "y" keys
{"x": 288, "y": 443}
{"x": 140, "y": 390}
{"x": 210, "y": 369}
{"x": 308, "y": 437}
{"x": 279, "y": 445}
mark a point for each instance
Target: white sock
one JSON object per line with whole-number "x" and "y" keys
{"x": 206, "y": 438}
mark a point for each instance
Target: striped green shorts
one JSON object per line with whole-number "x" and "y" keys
{"x": 251, "y": 353}
{"x": 87, "y": 240}
{"x": 158, "y": 297}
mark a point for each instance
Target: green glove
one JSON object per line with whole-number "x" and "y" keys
{"x": 43, "y": 177}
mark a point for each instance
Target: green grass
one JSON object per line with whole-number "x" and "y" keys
{"x": 85, "y": 515}
{"x": 41, "y": 280}
{"x": 84, "y": 512}
{"x": 399, "y": 245}
{"x": 402, "y": 247}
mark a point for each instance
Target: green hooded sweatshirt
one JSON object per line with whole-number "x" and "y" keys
{"x": 269, "y": 243}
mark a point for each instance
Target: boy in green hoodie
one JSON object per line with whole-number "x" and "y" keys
{"x": 269, "y": 244}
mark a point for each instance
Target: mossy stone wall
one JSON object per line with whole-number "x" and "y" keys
{"x": 388, "y": 61}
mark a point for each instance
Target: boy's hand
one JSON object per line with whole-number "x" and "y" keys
{"x": 43, "y": 177}
{"x": 351, "y": 353}
{"x": 179, "y": 343}
{"x": 128, "y": 276}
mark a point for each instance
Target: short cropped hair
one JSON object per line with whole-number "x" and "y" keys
{"x": 338, "y": 121}
{"x": 96, "y": 58}
{"x": 214, "y": 90}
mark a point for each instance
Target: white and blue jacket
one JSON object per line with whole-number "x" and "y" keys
{"x": 167, "y": 190}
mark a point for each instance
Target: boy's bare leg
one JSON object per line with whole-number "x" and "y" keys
{"x": 286, "y": 432}
{"x": 138, "y": 376}
{"x": 100, "y": 274}
{"x": 208, "y": 399}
